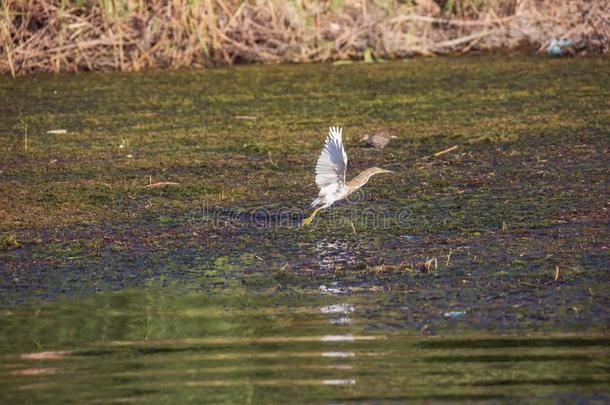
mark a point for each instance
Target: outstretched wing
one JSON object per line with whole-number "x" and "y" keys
{"x": 332, "y": 162}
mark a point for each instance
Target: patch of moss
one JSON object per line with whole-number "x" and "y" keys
{"x": 8, "y": 242}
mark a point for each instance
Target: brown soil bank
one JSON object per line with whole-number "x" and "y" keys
{"x": 73, "y": 35}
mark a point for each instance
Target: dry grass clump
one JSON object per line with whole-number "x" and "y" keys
{"x": 72, "y": 35}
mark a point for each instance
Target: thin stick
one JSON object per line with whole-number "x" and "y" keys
{"x": 9, "y": 57}
{"x": 162, "y": 184}
{"x": 556, "y": 273}
{"x": 25, "y": 133}
{"x": 437, "y": 154}
{"x": 454, "y": 22}
{"x": 459, "y": 41}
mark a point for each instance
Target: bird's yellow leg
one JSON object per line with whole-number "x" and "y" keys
{"x": 308, "y": 220}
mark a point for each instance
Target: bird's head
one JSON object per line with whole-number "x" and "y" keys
{"x": 378, "y": 170}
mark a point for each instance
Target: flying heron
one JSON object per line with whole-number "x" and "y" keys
{"x": 330, "y": 174}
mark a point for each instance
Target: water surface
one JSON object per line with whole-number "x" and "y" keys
{"x": 312, "y": 347}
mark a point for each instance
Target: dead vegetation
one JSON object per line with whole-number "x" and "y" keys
{"x": 62, "y": 35}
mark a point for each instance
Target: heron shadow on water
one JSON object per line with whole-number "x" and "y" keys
{"x": 331, "y": 171}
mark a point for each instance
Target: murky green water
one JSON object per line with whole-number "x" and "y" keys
{"x": 320, "y": 346}
{"x": 476, "y": 275}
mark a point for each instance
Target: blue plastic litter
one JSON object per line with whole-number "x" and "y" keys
{"x": 557, "y": 47}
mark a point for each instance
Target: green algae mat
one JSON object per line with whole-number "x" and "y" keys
{"x": 151, "y": 247}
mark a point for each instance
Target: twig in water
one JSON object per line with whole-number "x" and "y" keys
{"x": 527, "y": 284}
{"x": 437, "y": 154}
{"x": 25, "y": 134}
{"x": 556, "y": 273}
{"x": 440, "y": 153}
{"x": 270, "y": 160}
{"x": 161, "y": 184}
{"x": 427, "y": 265}
{"x": 448, "y": 258}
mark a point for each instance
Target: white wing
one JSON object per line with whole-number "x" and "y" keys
{"x": 332, "y": 162}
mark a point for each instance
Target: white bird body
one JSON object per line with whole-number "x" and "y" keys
{"x": 330, "y": 173}
{"x": 329, "y": 194}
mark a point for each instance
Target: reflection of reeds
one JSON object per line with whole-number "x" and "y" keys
{"x": 71, "y": 35}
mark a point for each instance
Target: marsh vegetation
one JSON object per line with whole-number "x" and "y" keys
{"x": 75, "y": 35}
{"x": 185, "y": 191}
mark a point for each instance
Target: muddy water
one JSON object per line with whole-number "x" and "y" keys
{"x": 319, "y": 346}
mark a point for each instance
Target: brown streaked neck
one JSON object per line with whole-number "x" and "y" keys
{"x": 360, "y": 180}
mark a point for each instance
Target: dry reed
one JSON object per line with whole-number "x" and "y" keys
{"x": 73, "y": 35}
